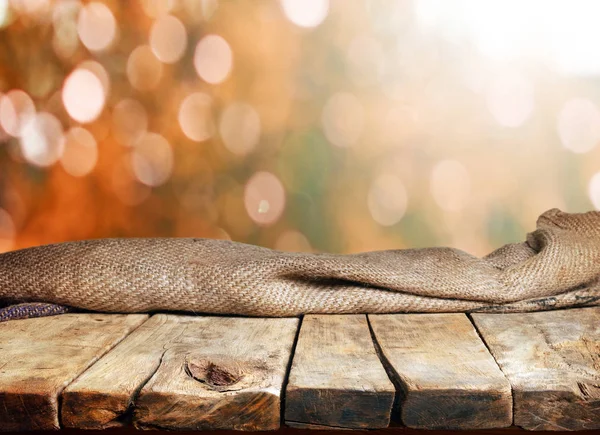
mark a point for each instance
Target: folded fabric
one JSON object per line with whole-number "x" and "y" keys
{"x": 558, "y": 266}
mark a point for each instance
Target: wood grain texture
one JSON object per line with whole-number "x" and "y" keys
{"x": 103, "y": 396}
{"x": 552, "y": 360}
{"x": 336, "y": 379}
{"x": 218, "y": 373}
{"x": 447, "y": 378}
{"x": 40, "y": 357}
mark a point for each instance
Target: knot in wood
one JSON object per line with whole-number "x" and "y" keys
{"x": 216, "y": 375}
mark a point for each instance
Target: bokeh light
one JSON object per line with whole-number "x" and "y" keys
{"x": 4, "y": 13}
{"x": 152, "y": 159}
{"x": 305, "y": 13}
{"x": 168, "y": 39}
{"x": 264, "y": 198}
{"x": 129, "y": 121}
{"x": 450, "y": 185}
{"x": 16, "y": 110}
{"x": 594, "y": 190}
{"x": 42, "y": 140}
{"x": 213, "y": 59}
{"x": 240, "y": 128}
{"x": 83, "y": 95}
{"x": 99, "y": 71}
{"x": 301, "y": 125}
{"x": 80, "y": 152}
{"x": 343, "y": 119}
{"x": 195, "y": 117}
{"x": 579, "y": 125}
{"x": 144, "y": 70}
{"x": 387, "y": 199}
{"x": 96, "y": 26}
{"x": 510, "y": 98}
{"x": 511, "y": 29}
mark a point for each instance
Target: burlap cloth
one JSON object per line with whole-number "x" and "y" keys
{"x": 557, "y": 266}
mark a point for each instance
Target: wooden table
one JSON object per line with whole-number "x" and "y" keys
{"x": 495, "y": 373}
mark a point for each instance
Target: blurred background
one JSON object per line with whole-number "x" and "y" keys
{"x": 301, "y": 125}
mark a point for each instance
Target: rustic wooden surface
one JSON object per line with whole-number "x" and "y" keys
{"x": 337, "y": 380}
{"x": 103, "y": 396}
{"x": 185, "y": 372}
{"x": 188, "y": 372}
{"x": 284, "y": 430}
{"x": 218, "y": 373}
{"x": 552, "y": 360}
{"x": 39, "y": 357}
{"x": 445, "y": 375}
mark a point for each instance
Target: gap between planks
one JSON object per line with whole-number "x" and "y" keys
{"x": 542, "y": 322}
{"x": 126, "y": 415}
{"x": 189, "y": 372}
{"x": 55, "y": 347}
{"x": 336, "y": 379}
{"x": 444, "y": 374}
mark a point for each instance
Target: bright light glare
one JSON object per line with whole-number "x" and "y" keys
{"x": 562, "y": 32}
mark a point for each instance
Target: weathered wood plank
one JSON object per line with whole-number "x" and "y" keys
{"x": 336, "y": 379}
{"x": 447, "y": 379}
{"x": 552, "y": 360}
{"x": 103, "y": 396}
{"x": 187, "y": 372}
{"x": 40, "y": 357}
{"x": 221, "y": 373}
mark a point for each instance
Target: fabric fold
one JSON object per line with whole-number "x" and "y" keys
{"x": 557, "y": 266}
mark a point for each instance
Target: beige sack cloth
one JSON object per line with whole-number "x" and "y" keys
{"x": 558, "y": 266}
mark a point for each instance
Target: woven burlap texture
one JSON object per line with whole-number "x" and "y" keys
{"x": 557, "y": 266}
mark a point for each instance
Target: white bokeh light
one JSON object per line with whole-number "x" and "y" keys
{"x": 594, "y": 190}
{"x": 387, "y": 199}
{"x": 152, "y": 159}
{"x": 239, "y": 128}
{"x": 83, "y": 95}
{"x": 42, "y": 140}
{"x": 4, "y": 13}
{"x": 168, "y": 39}
{"x": 264, "y": 198}
{"x": 80, "y": 152}
{"x": 213, "y": 59}
{"x": 195, "y": 117}
{"x": 510, "y": 98}
{"x": 562, "y": 32}
{"x": 305, "y": 13}
{"x": 579, "y": 125}
{"x": 99, "y": 71}
{"x": 144, "y": 70}
{"x": 96, "y": 26}
{"x": 16, "y": 110}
